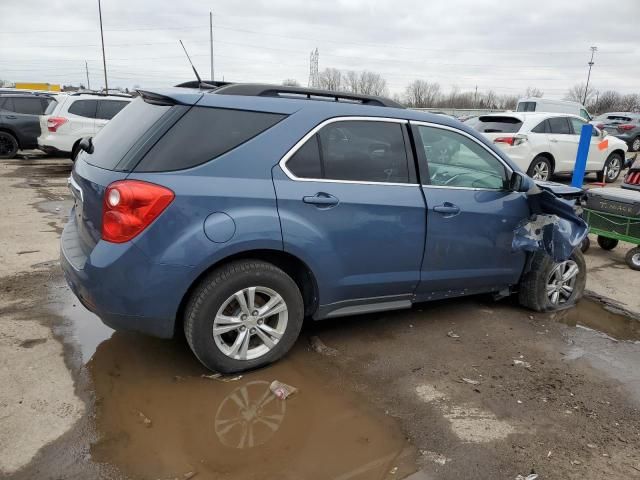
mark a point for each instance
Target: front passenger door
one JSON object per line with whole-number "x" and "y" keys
{"x": 471, "y": 216}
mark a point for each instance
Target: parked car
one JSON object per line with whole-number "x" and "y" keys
{"x": 236, "y": 213}
{"x": 74, "y": 116}
{"x": 622, "y": 125}
{"x": 534, "y": 104}
{"x": 20, "y": 121}
{"x": 543, "y": 144}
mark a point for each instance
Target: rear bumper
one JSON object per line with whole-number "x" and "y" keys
{"x": 120, "y": 285}
{"x": 48, "y": 149}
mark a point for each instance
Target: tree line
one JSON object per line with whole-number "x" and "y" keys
{"x": 426, "y": 94}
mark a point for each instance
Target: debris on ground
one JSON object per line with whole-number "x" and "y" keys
{"x": 452, "y": 334}
{"x": 435, "y": 457}
{"x": 282, "y": 390}
{"x": 521, "y": 363}
{"x": 531, "y": 476}
{"x": 221, "y": 378}
{"x": 146, "y": 420}
{"x": 469, "y": 381}
{"x": 393, "y": 471}
{"x": 318, "y": 346}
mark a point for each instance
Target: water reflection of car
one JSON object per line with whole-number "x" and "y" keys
{"x": 543, "y": 144}
{"x": 234, "y": 214}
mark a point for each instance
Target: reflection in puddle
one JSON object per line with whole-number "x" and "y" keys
{"x": 593, "y": 314}
{"x": 157, "y": 418}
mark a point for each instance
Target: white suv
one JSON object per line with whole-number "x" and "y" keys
{"x": 542, "y": 144}
{"x": 74, "y": 116}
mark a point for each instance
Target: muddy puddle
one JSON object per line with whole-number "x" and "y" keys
{"x": 597, "y": 316}
{"x": 156, "y": 417}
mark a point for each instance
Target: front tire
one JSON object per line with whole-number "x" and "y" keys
{"x": 540, "y": 168}
{"x": 550, "y": 286}
{"x": 8, "y": 145}
{"x": 243, "y": 315}
{"x": 633, "y": 258}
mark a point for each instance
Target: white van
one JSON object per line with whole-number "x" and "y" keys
{"x": 534, "y": 104}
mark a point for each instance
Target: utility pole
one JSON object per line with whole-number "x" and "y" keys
{"x": 586, "y": 89}
{"x": 86, "y": 68}
{"x": 104, "y": 60}
{"x": 211, "y": 42}
{"x": 475, "y": 98}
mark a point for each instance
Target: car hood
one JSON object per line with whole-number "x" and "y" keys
{"x": 559, "y": 189}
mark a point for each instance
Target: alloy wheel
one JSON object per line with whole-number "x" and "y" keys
{"x": 561, "y": 282}
{"x": 6, "y": 145}
{"x": 613, "y": 169}
{"x": 250, "y": 323}
{"x": 541, "y": 171}
{"x": 635, "y": 146}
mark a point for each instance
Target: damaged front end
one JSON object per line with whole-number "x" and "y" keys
{"x": 555, "y": 225}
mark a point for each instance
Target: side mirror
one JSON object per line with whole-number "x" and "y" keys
{"x": 519, "y": 182}
{"x": 86, "y": 145}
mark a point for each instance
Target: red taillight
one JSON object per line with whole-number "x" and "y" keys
{"x": 626, "y": 127}
{"x": 130, "y": 206}
{"x": 54, "y": 123}
{"x": 508, "y": 140}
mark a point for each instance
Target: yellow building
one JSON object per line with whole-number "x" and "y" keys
{"x": 50, "y": 87}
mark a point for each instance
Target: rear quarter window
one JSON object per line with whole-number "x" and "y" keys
{"x": 496, "y": 124}
{"x": 203, "y": 134}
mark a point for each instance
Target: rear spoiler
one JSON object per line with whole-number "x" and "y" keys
{"x": 157, "y": 99}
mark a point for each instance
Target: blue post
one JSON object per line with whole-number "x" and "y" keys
{"x": 581, "y": 157}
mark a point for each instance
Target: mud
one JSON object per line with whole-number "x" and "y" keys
{"x": 597, "y": 316}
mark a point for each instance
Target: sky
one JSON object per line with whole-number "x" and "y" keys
{"x": 505, "y": 46}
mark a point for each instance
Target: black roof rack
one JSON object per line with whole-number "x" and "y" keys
{"x": 101, "y": 94}
{"x": 265, "y": 90}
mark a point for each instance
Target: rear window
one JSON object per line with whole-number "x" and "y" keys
{"x": 496, "y": 124}
{"x": 117, "y": 137}
{"x": 203, "y": 134}
{"x": 84, "y": 108}
{"x": 526, "y": 107}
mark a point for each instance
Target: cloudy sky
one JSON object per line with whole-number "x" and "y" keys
{"x": 501, "y": 45}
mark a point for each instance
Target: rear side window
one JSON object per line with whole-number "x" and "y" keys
{"x": 118, "y": 136}
{"x": 107, "y": 109}
{"x": 526, "y": 107}
{"x": 542, "y": 127}
{"x": 560, "y": 125}
{"x": 29, "y": 106}
{"x": 364, "y": 151}
{"x": 495, "y": 124}
{"x": 84, "y": 108}
{"x": 203, "y": 134}
{"x": 51, "y": 107}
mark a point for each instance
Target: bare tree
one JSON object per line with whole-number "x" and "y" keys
{"x": 533, "y": 92}
{"x": 290, "y": 82}
{"x": 606, "y": 102}
{"x": 330, "y": 79}
{"x": 576, "y": 93}
{"x": 630, "y": 102}
{"x": 421, "y": 93}
{"x": 371, "y": 83}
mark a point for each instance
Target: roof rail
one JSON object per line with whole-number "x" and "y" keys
{"x": 100, "y": 94}
{"x": 265, "y": 90}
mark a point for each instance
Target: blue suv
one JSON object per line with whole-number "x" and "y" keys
{"x": 236, "y": 213}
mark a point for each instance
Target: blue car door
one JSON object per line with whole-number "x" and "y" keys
{"x": 350, "y": 207}
{"x": 471, "y": 215}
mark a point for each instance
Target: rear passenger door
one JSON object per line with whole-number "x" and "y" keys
{"x": 563, "y": 143}
{"x": 82, "y": 117}
{"x": 351, "y": 208}
{"x": 107, "y": 109}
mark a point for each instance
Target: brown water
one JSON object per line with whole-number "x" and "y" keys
{"x": 595, "y": 315}
{"x": 157, "y": 418}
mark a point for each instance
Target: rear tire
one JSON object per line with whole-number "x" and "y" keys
{"x": 634, "y": 145}
{"x": 612, "y": 168}
{"x": 542, "y": 287}
{"x": 540, "y": 168}
{"x": 607, "y": 243}
{"x": 8, "y": 145}
{"x": 217, "y": 303}
{"x": 585, "y": 245}
{"x": 633, "y": 258}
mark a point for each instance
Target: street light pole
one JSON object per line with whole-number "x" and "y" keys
{"x": 211, "y": 42}
{"x": 586, "y": 89}
{"x": 104, "y": 60}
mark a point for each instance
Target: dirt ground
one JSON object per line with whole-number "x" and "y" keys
{"x": 469, "y": 388}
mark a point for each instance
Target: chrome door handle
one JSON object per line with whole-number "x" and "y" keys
{"x": 553, "y": 140}
{"x": 447, "y": 209}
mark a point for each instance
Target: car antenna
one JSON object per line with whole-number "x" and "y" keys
{"x": 201, "y": 84}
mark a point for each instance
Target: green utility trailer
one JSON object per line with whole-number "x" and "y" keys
{"x": 613, "y": 214}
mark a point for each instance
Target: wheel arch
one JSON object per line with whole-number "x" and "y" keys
{"x": 298, "y": 270}
{"x": 549, "y": 157}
